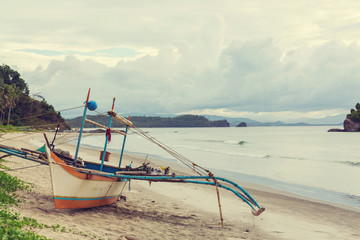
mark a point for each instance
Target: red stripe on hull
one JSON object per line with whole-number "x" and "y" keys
{"x": 63, "y": 204}
{"x": 80, "y": 175}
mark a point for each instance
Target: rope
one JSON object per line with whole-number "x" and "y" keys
{"x": 196, "y": 168}
{"x": 72, "y": 139}
{"x": 42, "y": 125}
{"x": 7, "y": 139}
{"x": 7, "y": 170}
{"x": 41, "y": 114}
{"x": 103, "y": 114}
{"x": 65, "y": 135}
{"x": 190, "y": 164}
{"x": 67, "y": 109}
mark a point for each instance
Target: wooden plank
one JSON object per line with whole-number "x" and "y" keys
{"x": 102, "y": 126}
{"x": 120, "y": 119}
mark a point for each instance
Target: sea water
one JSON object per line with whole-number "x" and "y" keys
{"x": 308, "y": 161}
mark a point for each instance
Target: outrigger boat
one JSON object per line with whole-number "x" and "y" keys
{"x": 83, "y": 184}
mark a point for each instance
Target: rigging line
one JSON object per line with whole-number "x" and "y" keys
{"x": 15, "y": 169}
{"x": 20, "y": 136}
{"x": 63, "y": 136}
{"x": 67, "y": 109}
{"x": 172, "y": 152}
{"x": 104, "y": 114}
{"x": 74, "y": 138}
{"x": 12, "y": 120}
{"x": 124, "y": 186}
{"x": 41, "y": 114}
{"x": 168, "y": 149}
{"x": 7, "y": 139}
{"x": 50, "y": 124}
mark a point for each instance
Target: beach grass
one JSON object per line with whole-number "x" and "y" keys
{"x": 11, "y": 129}
{"x": 12, "y": 225}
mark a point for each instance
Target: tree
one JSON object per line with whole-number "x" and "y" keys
{"x": 9, "y": 98}
{"x": 357, "y": 106}
{"x": 355, "y": 114}
{"x": 20, "y": 108}
{"x": 12, "y": 77}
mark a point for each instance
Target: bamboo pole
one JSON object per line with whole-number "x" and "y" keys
{"x": 82, "y": 127}
{"x": 107, "y": 138}
{"x": 218, "y": 196}
{"x": 120, "y": 118}
{"x": 123, "y": 145}
{"x": 102, "y": 126}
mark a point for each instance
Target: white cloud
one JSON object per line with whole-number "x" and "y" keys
{"x": 248, "y": 57}
{"x": 249, "y": 77}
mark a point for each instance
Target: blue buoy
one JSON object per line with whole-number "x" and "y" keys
{"x": 92, "y": 105}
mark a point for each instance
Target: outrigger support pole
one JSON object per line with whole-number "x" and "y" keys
{"x": 242, "y": 194}
{"x": 219, "y": 202}
{"x": 82, "y": 126}
{"x": 107, "y": 137}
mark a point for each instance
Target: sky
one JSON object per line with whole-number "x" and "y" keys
{"x": 264, "y": 60}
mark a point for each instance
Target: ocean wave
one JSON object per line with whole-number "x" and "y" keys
{"x": 224, "y": 152}
{"x": 234, "y": 142}
{"x": 292, "y": 158}
{"x": 350, "y": 163}
{"x": 229, "y": 142}
{"x": 357, "y": 198}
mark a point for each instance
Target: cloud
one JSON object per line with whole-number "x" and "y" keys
{"x": 170, "y": 57}
{"x": 245, "y": 77}
{"x": 257, "y": 76}
{"x": 118, "y": 52}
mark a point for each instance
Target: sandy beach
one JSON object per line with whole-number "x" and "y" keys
{"x": 174, "y": 211}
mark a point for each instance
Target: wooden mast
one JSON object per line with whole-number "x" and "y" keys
{"x": 82, "y": 126}
{"x": 122, "y": 149}
{"x": 107, "y": 137}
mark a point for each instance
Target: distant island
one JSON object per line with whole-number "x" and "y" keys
{"x": 154, "y": 122}
{"x": 188, "y": 121}
{"x": 242, "y": 124}
{"x": 352, "y": 121}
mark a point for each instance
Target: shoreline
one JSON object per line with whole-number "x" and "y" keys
{"x": 310, "y": 193}
{"x": 180, "y": 211}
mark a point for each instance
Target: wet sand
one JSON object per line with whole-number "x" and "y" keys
{"x": 174, "y": 210}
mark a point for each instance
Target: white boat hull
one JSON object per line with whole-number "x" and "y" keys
{"x": 75, "y": 189}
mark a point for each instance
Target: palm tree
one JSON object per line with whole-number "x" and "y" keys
{"x": 9, "y": 98}
{"x": 2, "y": 108}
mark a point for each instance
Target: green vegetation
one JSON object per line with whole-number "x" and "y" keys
{"x": 19, "y": 109}
{"x": 142, "y": 121}
{"x": 11, "y": 128}
{"x": 12, "y": 226}
{"x": 355, "y": 114}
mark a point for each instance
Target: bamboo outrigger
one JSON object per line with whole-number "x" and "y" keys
{"x": 82, "y": 184}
